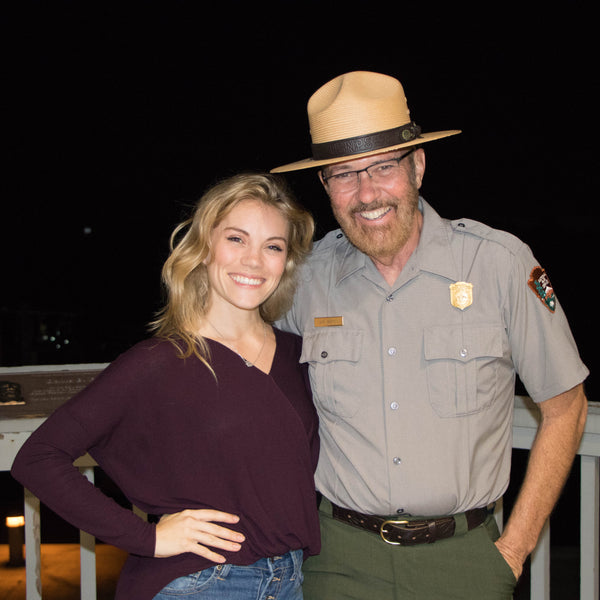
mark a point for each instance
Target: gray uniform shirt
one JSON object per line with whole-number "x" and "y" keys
{"x": 415, "y": 390}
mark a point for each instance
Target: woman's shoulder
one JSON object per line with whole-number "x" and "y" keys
{"x": 288, "y": 343}
{"x": 148, "y": 353}
{"x": 286, "y": 337}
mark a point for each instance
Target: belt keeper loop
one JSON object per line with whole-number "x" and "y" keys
{"x": 462, "y": 526}
{"x": 432, "y": 532}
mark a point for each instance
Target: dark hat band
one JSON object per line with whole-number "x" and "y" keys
{"x": 366, "y": 143}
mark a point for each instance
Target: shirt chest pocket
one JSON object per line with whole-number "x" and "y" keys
{"x": 333, "y": 356}
{"x": 462, "y": 366}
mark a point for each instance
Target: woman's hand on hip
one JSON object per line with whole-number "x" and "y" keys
{"x": 197, "y": 531}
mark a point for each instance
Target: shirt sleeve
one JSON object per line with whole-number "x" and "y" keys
{"x": 44, "y": 465}
{"x": 543, "y": 348}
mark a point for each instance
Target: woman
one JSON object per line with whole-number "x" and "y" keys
{"x": 210, "y": 423}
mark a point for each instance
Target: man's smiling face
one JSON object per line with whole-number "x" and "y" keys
{"x": 379, "y": 216}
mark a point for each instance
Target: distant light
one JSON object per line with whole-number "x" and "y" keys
{"x": 15, "y": 540}
{"x": 15, "y": 521}
{"x": 87, "y": 230}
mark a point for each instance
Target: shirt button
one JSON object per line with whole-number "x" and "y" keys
{"x": 463, "y": 352}
{"x": 392, "y": 351}
{"x": 324, "y": 354}
{"x": 389, "y": 298}
{"x": 394, "y": 406}
{"x": 396, "y": 460}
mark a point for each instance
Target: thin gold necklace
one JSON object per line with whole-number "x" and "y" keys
{"x": 246, "y": 361}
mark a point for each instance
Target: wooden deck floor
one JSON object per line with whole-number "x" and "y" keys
{"x": 60, "y": 572}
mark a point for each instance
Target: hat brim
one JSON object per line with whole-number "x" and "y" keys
{"x": 310, "y": 163}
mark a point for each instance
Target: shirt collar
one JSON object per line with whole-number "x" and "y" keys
{"x": 350, "y": 259}
{"x": 434, "y": 252}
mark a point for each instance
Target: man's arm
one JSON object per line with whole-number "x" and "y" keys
{"x": 552, "y": 453}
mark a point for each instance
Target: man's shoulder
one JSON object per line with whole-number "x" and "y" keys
{"x": 324, "y": 262}
{"x": 330, "y": 244}
{"x": 331, "y": 239}
{"x": 485, "y": 232}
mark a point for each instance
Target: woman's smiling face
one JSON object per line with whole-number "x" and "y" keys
{"x": 248, "y": 255}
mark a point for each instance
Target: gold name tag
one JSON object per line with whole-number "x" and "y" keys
{"x": 329, "y": 321}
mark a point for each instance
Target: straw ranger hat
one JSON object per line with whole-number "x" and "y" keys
{"x": 358, "y": 114}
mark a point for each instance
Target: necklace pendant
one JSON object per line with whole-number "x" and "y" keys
{"x": 234, "y": 349}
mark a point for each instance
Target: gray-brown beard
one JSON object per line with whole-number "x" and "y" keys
{"x": 386, "y": 241}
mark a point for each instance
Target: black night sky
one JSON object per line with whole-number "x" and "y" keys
{"x": 117, "y": 116}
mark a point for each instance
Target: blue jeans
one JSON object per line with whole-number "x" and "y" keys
{"x": 277, "y": 578}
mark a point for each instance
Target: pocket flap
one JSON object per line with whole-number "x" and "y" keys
{"x": 462, "y": 343}
{"x": 330, "y": 345}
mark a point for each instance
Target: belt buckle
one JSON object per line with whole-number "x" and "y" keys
{"x": 382, "y": 531}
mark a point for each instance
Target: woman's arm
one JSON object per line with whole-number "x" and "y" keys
{"x": 44, "y": 465}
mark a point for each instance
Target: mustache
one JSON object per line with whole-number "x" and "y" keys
{"x": 363, "y": 207}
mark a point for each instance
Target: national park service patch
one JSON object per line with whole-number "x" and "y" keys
{"x": 539, "y": 282}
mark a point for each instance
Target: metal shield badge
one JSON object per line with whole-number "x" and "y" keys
{"x": 461, "y": 294}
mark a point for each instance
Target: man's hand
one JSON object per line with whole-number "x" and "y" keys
{"x": 196, "y": 531}
{"x": 514, "y": 560}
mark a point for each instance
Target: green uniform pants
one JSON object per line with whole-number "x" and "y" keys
{"x": 358, "y": 565}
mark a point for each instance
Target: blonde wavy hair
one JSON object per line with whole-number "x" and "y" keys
{"x": 184, "y": 273}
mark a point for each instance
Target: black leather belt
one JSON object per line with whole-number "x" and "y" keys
{"x": 402, "y": 532}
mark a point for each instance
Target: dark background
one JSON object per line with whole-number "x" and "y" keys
{"x": 117, "y": 116}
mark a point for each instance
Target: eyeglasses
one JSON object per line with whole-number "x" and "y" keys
{"x": 348, "y": 181}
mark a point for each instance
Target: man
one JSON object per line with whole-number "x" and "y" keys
{"x": 414, "y": 328}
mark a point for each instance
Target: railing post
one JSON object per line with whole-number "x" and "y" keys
{"x": 589, "y": 527}
{"x": 33, "y": 562}
{"x": 540, "y": 566}
{"x": 87, "y": 553}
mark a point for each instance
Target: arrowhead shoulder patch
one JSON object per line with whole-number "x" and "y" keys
{"x": 539, "y": 282}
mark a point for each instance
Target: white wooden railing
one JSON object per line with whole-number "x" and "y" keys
{"x": 525, "y": 424}
{"x": 14, "y": 432}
